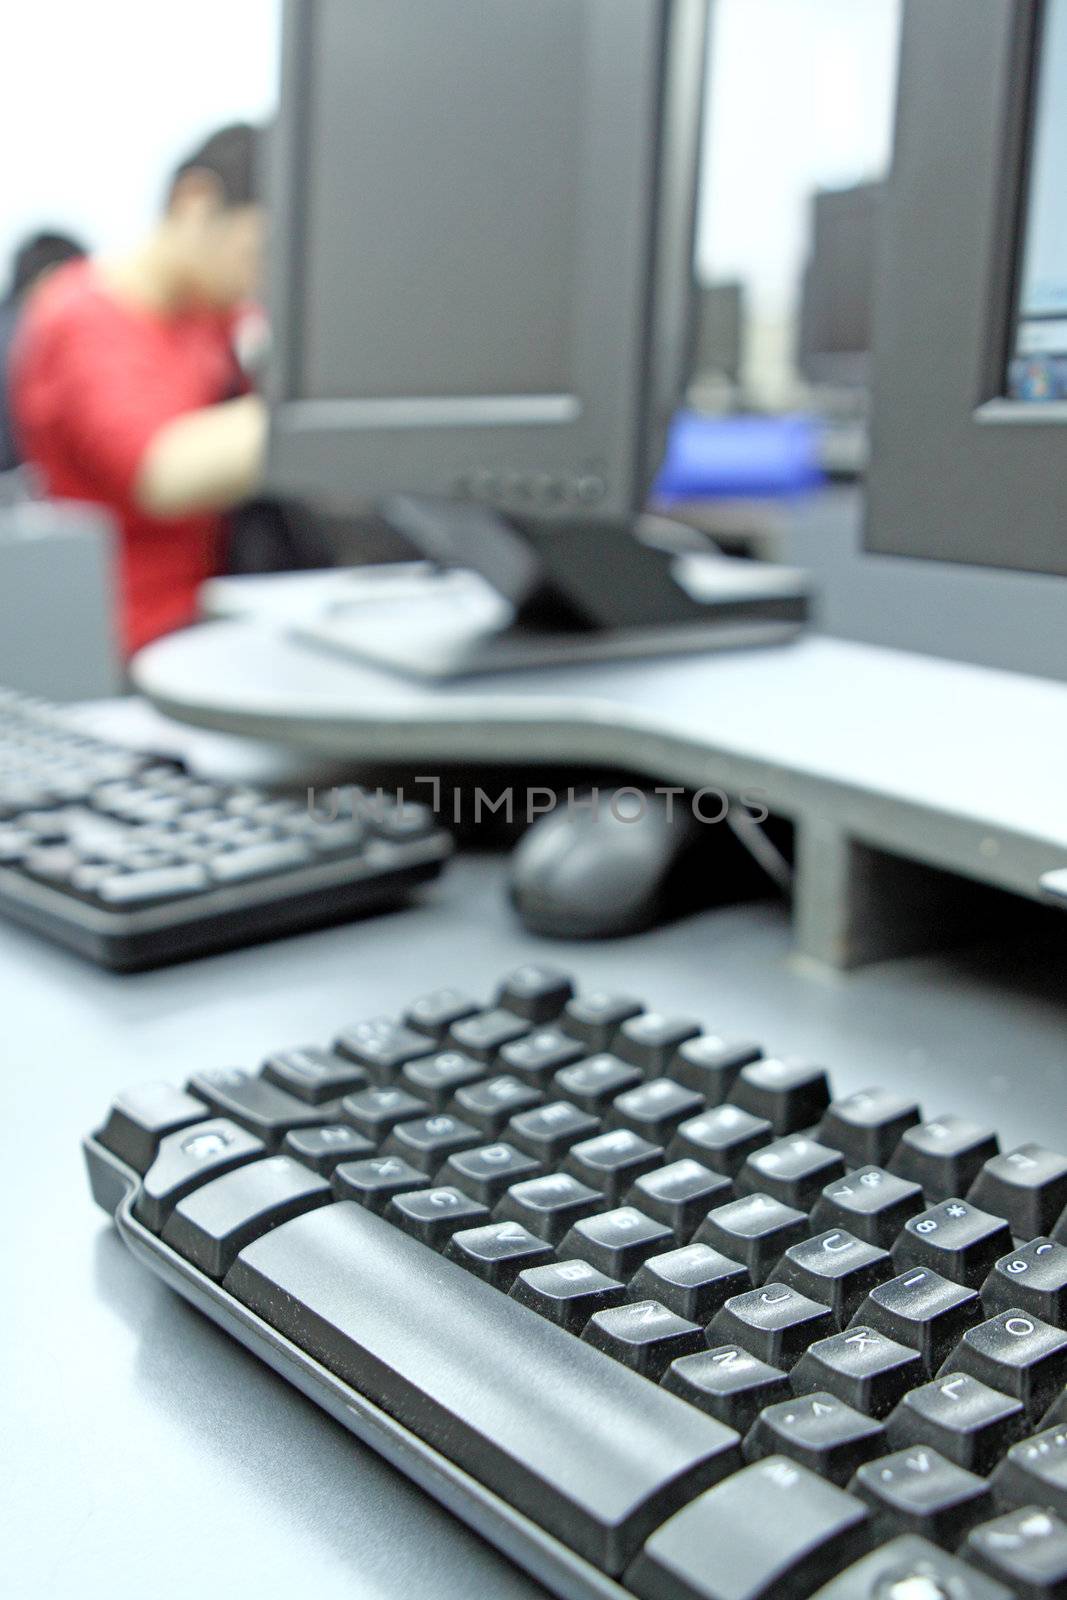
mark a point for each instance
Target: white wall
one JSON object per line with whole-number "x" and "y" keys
{"x": 99, "y": 100}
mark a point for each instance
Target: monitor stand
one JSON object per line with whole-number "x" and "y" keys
{"x": 545, "y": 592}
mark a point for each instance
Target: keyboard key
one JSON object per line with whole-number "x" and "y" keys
{"x": 711, "y": 1065}
{"x": 1018, "y": 1354}
{"x": 313, "y": 1075}
{"x": 755, "y": 1230}
{"x": 679, "y": 1195}
{"x": 722, "y": 1139}
{"x": 871, "y": 1203}
{"x": 617, "y": 1242}
{"x": 911, "y": 1569}
{"x": 693, "y": 1282}
{"x": 140, "y": 1117}
{"x": 567, "y": 1292}
{"x": 537, "y": 993}
{"x": 612, "y": 1161}
{"x": 375, "y": 1112}
{"x": 1034, "y": 1472}
{"x": 382, "y": 1046}
{"x": 820, "y": 1432}
{"x": 217, "y": 1220}
{"x": 484, "y": 1034}
{"x": 775, "y": 1529}
{"x": 943, "y": 1156}
{"x": 867, "y": 1126}
{"x": 774, "y": 1323}
{"x": 594, "y": 1082}
{"x": 427, "y": 1142}
{"x": 433, "y": 1014}
{"x": 918, "y": 1491}
{"x": 186, "y": 1159}
{"x": 649, "y": 1040}
{"x": 654, "y": 1109}
{"x": 491, "y": 1104}
{"x": 435, "y": 1079}
{"x": 324, "y": 1148}
{"x": 487, "y": 1171}
{"x": 955, "y": 1239}
{"x": 923, "y": 1310}
{"x": 434, "y": 1215}
{"x": 835, "y": 1268}
{"x": 537, "y": 1058}
{"x": 791, "y": 1095}
{"x": 548, "y": 1132}
{"x": 594, "y": 1019}
{"x": 1034, "y": 1278}
{"x": 962, "y": 1419}
{"x": 497, "y": 1251}
{"x": 862, "y": 1367}
{"x": 548, "y": 1206}
{"x": 374, "y": 1181}
{"x": 729, "y": 1383}
{"x": 257, "y": 860}
{"x": 644, "y": 1335}
{"x": 372, "y": 1304}
{"x": 129, "y": 888}
{"x": 794, "y": 1170}
{"x": 261, "y": 1107}
{"x": 1026, "y": 1549}
{"x": 1028, "y": 1186}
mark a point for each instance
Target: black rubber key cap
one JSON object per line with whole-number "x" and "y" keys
{"x": 314, "y": 1075}
{"x": 496, "y": 1252}
{"x": 140, "y": 1117}
{"x": 835, "y": 1268}
{"x": 548, "y": 1132}
{"x": 217, "y": 1220}
{"x": 188, "y": 1158}
{"x": 618, "y": 1242}
{"x": 567, "y": 1292}
{"x": 1027, "y": 1550}
{"x": 487, "y": 1171}
{"x": 429, "y": 1141}
{"x": 909, "y": 1568}
{"x": 594, "y": 1019}
{"x": 680, "y": 1195}
{"x": 435, "y": 1079}
{"x": 722, "y": 1139}
{"x": 537, "y": 993}
{"x": 650, "y": 1040}
{"x": 1027, "y": 1185}
{"x": 1018, "y": 1354}
{"x": 382, "y": 1046}
{"x": 433, "y": 1014}
{"x": 259, "y": 1106}
{"x": 644, "y": 1335}
{"x": 918, "y": 1491}
{"x": 820, "y": 1432}
{"x": 490, "y": 1104}
{"x": 871, "y": 1203}
{"x": 537, "y": 1058}
{"x": 867, "y": 1126}
{"x": 768, "y": 1533}
{"x": 324, "y": 1148}
{"x": 729, "y": 1383}
{"x": 548, "y": 1205}
{"x": 711, "y": 1065}
{"x": 484, "y": 1034}
{"x": 1033, "y": 1278}
{"x": 375, "y": 1112}
{"x": 1034, "y": 1472}
{"x": 693, "y": 1282}
{"x": 775, "y": 1323}
{"x": 434, "y": 1215}
{"x": 794, "y": 1170}
{"x": 655, "y": 1109}
{"x": 924, "y": 1310}
{"x": 539, "y": 1428}
{"x": 943, "y": 1156}
{"x": 961, "y": 1418}
{"x": 755, "y": 1230}
{"x": 862, "y": 1367}
{"x": 594, "y": 1082}
{"x": 954, "y": 1238}
{"x": 374, "y": 1182}
{"x": 791, "y": 1094}
{"x": 612, "y": 1161}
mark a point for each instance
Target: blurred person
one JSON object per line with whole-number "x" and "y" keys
{"x": 126, "y": 389}
{"x": 34, "y": 259}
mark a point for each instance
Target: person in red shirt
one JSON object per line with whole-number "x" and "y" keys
{"x": 125, "y": 389}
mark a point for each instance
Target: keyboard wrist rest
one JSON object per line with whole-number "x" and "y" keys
{"x": 519, "y": 1404}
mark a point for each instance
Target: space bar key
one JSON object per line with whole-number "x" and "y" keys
{"x": 592, "y": 1452}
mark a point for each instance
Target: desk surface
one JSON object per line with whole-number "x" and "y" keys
{"x": 139, "y": 1439}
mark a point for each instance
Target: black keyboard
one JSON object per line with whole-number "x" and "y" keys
{"x": 655, "y": 1314}
{"x": 133, "y": 861}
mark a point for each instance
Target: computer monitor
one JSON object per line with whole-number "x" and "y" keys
{"x": 482, "y": 249}
{"x": 837, "y": 289}
{"x": 969, "y": 419}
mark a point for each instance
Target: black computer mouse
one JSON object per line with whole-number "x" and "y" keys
{"x": 577, "y": 874}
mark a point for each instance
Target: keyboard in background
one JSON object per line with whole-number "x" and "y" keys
{"x": 657, "y": 1315}
{"x": 132, "y": 861}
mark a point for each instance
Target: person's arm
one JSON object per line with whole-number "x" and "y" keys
{"x": 206, "y": 460}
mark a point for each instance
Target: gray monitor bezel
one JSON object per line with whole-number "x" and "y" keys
{"x": 959, "y": 472}
{"x": 633, "y": 316}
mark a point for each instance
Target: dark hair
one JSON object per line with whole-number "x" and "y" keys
{"x": 231, "y": 156}
{"x": 38, "y": 254}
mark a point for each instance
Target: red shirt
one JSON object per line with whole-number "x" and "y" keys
{"x": 93, "y": 381}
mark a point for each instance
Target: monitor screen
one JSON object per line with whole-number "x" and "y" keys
{"x": 1037, "y": 366}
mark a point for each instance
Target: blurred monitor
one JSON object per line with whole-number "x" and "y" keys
{"x": 969, "y": 424}
{"x": 482, "y": 228}
{"x": 837, "y": 290}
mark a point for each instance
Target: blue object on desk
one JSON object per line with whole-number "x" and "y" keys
{"x": 732, "y": 457}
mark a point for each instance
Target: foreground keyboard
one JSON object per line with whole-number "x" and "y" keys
{"x": 133, "y": 861}
{"x": 655, "y": 1314}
